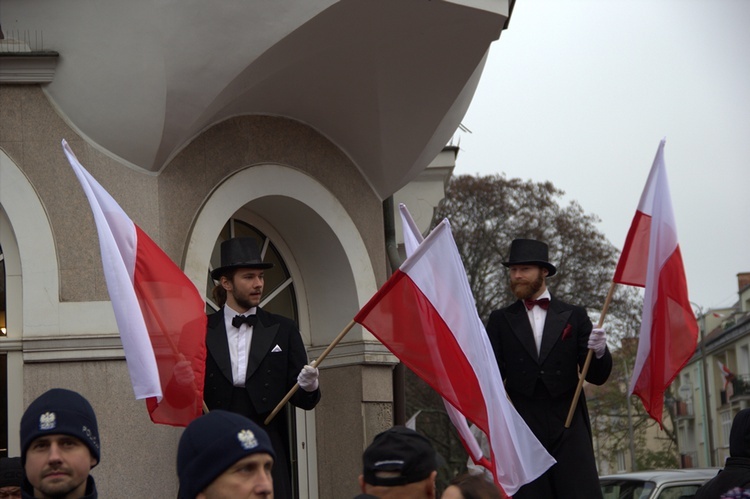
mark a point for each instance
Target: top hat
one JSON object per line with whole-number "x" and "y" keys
{"x": 239, "y": 252}
{"x": 530, "y": 251}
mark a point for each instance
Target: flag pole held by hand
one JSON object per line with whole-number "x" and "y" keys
{"x": 587, "y": 363}
{"x": 314, "y": 363}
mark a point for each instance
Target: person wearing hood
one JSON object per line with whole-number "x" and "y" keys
{"x": 736, "y": 471}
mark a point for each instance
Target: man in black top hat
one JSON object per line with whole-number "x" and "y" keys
{"x": 399, "y": 464}
{"x": 540, "y": 343}
{"x": 255, "y": 357}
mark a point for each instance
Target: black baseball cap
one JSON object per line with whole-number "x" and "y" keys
{"x": 398, "y": 456}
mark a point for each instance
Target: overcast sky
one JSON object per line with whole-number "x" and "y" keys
{"x": 580, "y": 92}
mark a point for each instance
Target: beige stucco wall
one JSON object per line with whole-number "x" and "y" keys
{"x": 138, "y": 457}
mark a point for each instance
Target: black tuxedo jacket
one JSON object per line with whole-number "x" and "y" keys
{"x": 277, "y": 355}
{"x": 541, "y": 387}
{"x": 563, "y": 349}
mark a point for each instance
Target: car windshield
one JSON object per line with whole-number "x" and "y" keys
{"x": 627, "y": 489}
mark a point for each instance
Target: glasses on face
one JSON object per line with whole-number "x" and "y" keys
{"x": 10, "y": 493}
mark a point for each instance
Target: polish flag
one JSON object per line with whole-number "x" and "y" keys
{"x": 425, "y": 314}
{"x": 728, "y": 375}
{"x": 651, "y": 259}
{"x": 159, "y": 312}
{"x": 412, "y": 239}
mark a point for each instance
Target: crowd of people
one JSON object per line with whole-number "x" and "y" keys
{"x": 220, "y": 455}
{"x": 539, "y": 342}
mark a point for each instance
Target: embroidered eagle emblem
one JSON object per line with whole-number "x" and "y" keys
{"x": 47, "y": 421}
{"x": 247, "y": 439}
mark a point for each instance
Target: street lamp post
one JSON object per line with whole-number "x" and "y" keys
{"x": 705, "y": 399}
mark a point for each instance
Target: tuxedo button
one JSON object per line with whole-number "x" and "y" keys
{"x": 541, "y": 372}
{"x": 266, "y": 385}
{"x": 264, "y": 399}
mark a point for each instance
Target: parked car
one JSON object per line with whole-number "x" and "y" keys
{"x": 656, "y": 484}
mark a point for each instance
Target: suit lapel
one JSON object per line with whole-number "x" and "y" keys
{"x": 519, "y": 323}
{"x": 217, "y": 344}
{"x": 263, "y": 337}
{"x": 557, "y": 318}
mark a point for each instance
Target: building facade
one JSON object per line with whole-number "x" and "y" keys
{"x": 715, "y": 384}
{"x": 295, "y": 124}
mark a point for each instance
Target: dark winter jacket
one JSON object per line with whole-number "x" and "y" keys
{"x": 736, "y": 472}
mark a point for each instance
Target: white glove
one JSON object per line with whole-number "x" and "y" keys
{"x": 183, "y": 373}
{"x": 308, "y": 378}
{"x": 598, "y": 342}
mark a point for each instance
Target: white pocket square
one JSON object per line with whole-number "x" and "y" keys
{"x": 277, "y": 348}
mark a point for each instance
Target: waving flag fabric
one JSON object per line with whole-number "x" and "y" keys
{"x": 651, "y": 259}
{"x": 425, "y": 314}
{"x": 412, "y": 239}
{"x": 159, "y": 312}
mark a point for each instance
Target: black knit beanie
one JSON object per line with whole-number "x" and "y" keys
{"x": 60, "y": 412}
{"x": 11, "y": 473}
{"x": 211, "y": 444}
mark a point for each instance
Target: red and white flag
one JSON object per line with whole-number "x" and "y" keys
{"x": 728, "y": 378}
{"x": 159, "y": 312}
{"x": 651, "y": 259}
{"x": 412, "y": 239}
{"x": 425, "y": 314}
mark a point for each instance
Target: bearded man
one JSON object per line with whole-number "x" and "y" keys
{"x": 540, "y": 343}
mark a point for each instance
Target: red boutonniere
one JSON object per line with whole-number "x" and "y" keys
{"x": 566, "y": 332}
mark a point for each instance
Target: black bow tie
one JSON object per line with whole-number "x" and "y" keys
{"x": 542, "y": 302}
{"x": 239, "y": 320}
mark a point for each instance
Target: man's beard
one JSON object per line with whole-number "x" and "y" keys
{"x": 242, "y": 301}
{"x": 525, "y": 290}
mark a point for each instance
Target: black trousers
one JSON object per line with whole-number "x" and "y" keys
{"x": 277, "y": 432}
{"x": 575, "y": 475}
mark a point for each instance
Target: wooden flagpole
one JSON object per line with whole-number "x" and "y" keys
{"x": 589, "y": 355}
{"x": 314, "y": 363}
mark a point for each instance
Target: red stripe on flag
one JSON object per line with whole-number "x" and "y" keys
{"x": 674, "y": 334}
{"x": 631, "y": 268}
{"x": 405, "y": 321}
{"x": 175, "y": 318}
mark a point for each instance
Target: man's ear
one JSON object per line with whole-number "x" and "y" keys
{"x": 431, "y": 487}
{"x": 545, "y": 271}
{"x": 225, "y": 283}
{"x": 362, "y": 483}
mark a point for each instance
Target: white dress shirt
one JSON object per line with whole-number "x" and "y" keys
{"x": 537, "y": 316}
{"x": 239, "y": 344}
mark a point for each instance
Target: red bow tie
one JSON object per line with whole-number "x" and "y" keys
{"x": 542, "y": 302}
